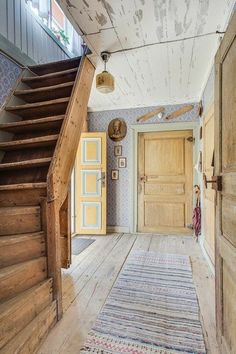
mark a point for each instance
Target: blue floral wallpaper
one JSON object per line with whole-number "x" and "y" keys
{"x": 118, "y": 190}
{"x": 9, "y": 72}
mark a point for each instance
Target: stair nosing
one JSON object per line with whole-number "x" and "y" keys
{"x": 25, "y": 163}
{"x": 37, "y": 233}
{"x": 36, "y": 121}
{"x": 18, "y": 143}
{"x": 46, "y": 76}
{"x": 14, "y": 239}
{"x": 42, "y": 89}
{"x": 37, "y": 104}
{"x": 36, "y": 185}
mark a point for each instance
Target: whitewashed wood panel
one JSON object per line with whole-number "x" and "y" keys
{"x": 167, "y": 73}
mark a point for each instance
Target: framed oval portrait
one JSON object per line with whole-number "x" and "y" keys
{"x": 117, "y": 129}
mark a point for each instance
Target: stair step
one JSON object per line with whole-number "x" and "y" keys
{"x": 18, "y": 312}
{"x": 48, "y": 140}
{"x": 20, "y": 277}
{"x": 25, "y": 164}
{"x": 24, "y": 186}
{"x": 62, "y": 65}
{"x": 50, "y": 79}
{"x": 33, "y": 124}
{"x": 45, "y": 93}
{"x": 19, "y": 248}
{"x": 19, "y": 220}
{"x": 28, "y": 340}
{"x": 40, "y": 109}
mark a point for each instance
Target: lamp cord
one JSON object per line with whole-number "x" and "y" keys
{"x": 166, "y": 42}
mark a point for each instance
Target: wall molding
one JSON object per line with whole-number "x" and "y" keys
{"x": 119, "y": 229}
{"x": 146, "y": 128}
{"x": 206, "y": 256}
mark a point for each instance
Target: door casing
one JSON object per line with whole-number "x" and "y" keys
{"x": 145, "y": 128}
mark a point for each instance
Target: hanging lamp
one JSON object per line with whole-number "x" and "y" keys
{"x": 105, "y": 82}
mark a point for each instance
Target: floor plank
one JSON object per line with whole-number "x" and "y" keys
{"x": 88, "y": 282}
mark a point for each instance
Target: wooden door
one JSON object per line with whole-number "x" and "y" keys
{"x": 209, "y": 193}
{"x": 225, "y": 165}
{"x": 91, "y": 184}
{"x": 165, "y": 174}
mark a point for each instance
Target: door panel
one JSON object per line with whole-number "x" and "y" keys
{"x": 165, "y": 182}
{"x": 225, "y": 159}
{"x": 91, "y": 184}
{"x": 209, "y": 193}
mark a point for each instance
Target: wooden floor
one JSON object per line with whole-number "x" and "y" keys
{"x": 88, "y": 282}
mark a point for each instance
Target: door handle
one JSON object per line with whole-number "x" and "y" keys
{"x": 143, "y": 179}
{"x": 103, "y": 179}
{"x": 216, "y": 182}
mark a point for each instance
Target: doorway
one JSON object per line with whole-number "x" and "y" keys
{"x": 165, "y": 181}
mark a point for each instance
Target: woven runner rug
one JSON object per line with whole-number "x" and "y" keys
{"x": 152, "y": 308}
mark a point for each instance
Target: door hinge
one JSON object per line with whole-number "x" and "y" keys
{"x": 216, "y": 182}
{"x": 191, "y": 139}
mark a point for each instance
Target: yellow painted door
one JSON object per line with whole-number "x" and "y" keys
{"x": 209, "y": 193}
{"x": 91, "y": 165}
{"x": 225, "y": 168}
{"x": 165, "y": 182}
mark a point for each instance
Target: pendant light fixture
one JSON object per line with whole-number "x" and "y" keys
{"x": 105, "y": 82}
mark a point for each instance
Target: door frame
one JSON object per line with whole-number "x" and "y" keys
{"x": 150, "y": 128}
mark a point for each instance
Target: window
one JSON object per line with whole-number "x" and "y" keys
{"x": 52, "y": 16}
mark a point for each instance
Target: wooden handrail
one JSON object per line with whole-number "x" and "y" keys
{"x": 60, "y": 170}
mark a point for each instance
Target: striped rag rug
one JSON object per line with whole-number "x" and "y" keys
{"x": 152, "y": 308}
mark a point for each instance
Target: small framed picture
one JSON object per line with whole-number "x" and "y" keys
{"x": 118, "y": 150}
{"x": 122, "y": 162}
{"x": 115, "y": 174}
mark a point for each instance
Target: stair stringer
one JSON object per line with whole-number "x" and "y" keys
{"x": 60, "y": 170}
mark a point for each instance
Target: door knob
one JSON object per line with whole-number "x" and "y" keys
{"x": 216, "y": 182}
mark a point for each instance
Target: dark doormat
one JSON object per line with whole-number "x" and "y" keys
{"x": 80, "y": 244}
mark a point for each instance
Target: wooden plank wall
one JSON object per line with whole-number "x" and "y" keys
{"x": 20, "y": 27}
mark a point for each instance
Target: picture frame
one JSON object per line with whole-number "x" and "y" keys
{"x": 118, "y": 150}
{"x": 122, "y": 162}
{"x": 115, "y": 174}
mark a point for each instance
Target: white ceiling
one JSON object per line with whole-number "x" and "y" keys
{"x": 167, "y": 73}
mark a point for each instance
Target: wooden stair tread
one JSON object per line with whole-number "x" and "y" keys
{"x": 40, "y": 109}
{"x": 25, "y": 164}
{"x": 29, "y": 339}
{"x": 12, "y": 239}
{"x": 29, "y": 143}
{"x": 15, "y": 249}
{"x": 19, "y": 186}
{"x": 6, "y": 307}
{"x": 62, "y": 65}
{"x": 19, "y": 210}
{"x": 37, "y": 104}
{"x": 32, "y": 301}
{"x": 26, "y": 124}
{"x": 51, "y": 78}
{"x": 45, "y": 93}
{"x": 13, "y": 269}
{"x": 20, "y": 277}
{"x": 42, "y": 89}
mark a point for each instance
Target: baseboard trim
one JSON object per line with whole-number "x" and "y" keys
{"x": 205, "y": 254}
{"x": 122, "y": 229}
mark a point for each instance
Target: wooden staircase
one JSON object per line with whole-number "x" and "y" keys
{"x": 41, "y": 124}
